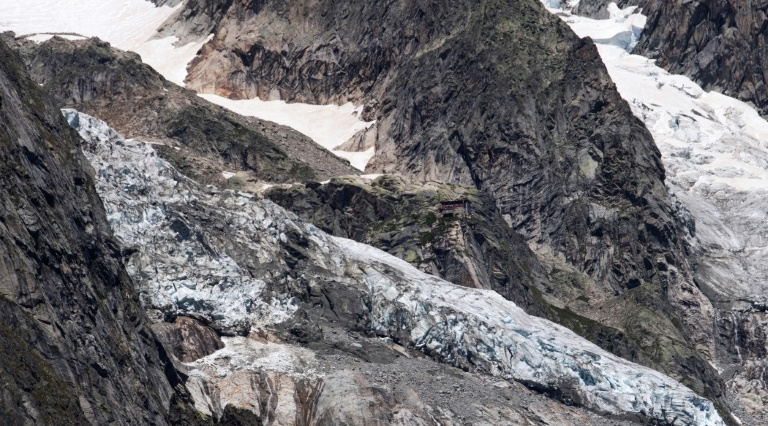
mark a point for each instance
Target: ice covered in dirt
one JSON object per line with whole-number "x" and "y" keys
{"x": 173, "y": 227}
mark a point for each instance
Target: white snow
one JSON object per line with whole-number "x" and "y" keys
{"x": 168, "y": 59}
{"x": 126, "y": 24}
{"x": 39, "y": 38}
{"x": 328, "y": 125}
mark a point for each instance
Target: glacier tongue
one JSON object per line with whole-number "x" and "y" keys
{"x": 246, "y": 281}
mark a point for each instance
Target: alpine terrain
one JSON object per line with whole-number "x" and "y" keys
{"x": 295, "y": 213}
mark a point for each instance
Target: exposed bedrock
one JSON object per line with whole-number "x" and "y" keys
{"x": 75, "y": 346}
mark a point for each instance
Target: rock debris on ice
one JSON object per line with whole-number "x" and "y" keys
{"x": 182, "y": 270}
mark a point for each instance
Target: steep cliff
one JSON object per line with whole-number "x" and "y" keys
{"x": 503, "y": 97}
{"x": 713, "y": 151}
{"x": 75, "y": 345}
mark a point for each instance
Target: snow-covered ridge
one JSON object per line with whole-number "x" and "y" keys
{"x": 183, "y": 269}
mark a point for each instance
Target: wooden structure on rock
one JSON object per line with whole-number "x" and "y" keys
{"x": 455, "y": 208}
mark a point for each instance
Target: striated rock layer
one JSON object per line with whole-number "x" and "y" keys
{"x": 75, "y": 346}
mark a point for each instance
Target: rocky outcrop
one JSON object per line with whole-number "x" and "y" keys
{"x": 188, "y": 339}
{"x": 402, "y": 217}
{"x": 502, "y": 97}
{"x": 75, "y": 346}
{"x": 200, "y": 138}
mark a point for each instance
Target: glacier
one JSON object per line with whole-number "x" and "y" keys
{"x": 246, "y": 282}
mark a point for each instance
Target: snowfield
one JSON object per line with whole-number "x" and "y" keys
{"x": 183, "y": 269}
{"x": 132, "y": 25}
{"x": 328, "y": 125}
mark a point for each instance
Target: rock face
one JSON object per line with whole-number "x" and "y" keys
{"x": 713, "y": 152}
{"x": 478, "y": 250}
{"x": 402, "y": 217}
{"x": 503, "y": 97}
{"x": 247, "y": 267}
{"x": 75, "y": 346}
{"x": 188, "y": 339}
{"x": 201, "y": 139}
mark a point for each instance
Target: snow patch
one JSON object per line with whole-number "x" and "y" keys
{"x": 126, "y": 24}
{"x": 328, "y": 125}
{"x": 169, "y": 59}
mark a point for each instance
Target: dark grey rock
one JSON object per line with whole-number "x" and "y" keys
{"x": 75, "y": 346}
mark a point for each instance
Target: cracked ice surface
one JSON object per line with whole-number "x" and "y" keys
{"x": 183, "y": 270}
{"x": 179, "y": 275}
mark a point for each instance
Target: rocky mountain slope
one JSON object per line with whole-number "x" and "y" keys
{"x": 502, "y": 97}
{"x": 494, "y": 101}
{"x": 714, "y": 155}
{"x": 479, "y": 250}
{"x": 76, "y": 346}
{"x": 202, "y": 139}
